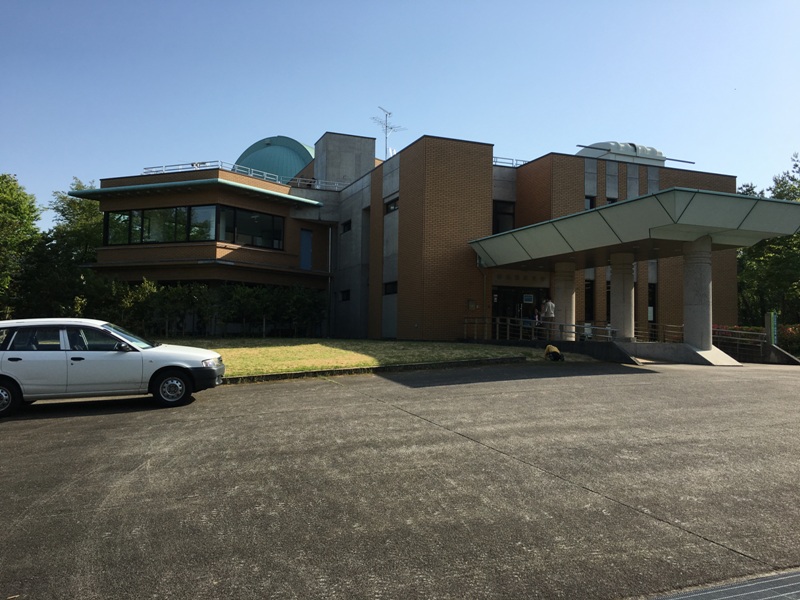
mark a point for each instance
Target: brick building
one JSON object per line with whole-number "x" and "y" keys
{"x": 391, "y": 240}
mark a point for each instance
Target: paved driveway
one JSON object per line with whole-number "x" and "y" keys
{"x": 551, "y": 480}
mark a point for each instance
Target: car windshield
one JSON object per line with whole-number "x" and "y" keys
{"x": 129, "y": 337}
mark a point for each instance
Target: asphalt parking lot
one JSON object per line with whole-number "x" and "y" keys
{"x": 546, "y": 480}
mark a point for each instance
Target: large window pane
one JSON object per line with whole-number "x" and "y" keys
{"x": 136, "y": 227}
{"x": 277, "y": 233}
{"x": 118, "y": 227}
{"x": 254, "y": 228}
{"x": 161, "y": 224}
{"x": 202, "y": 226}
{"x": 227, "y": 224}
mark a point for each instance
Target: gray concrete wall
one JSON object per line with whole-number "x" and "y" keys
{"x": 504, "y": 184}
{"x": 344, "y": 158}
{"x": 350, "y": 268}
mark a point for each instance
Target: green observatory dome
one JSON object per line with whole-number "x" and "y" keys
{"x": 279, "y": 155}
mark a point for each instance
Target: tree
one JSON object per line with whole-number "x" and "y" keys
{"x": 78, "y": 224}
{"x": 769, "y": 271}
{"x": 53, "y": 279}
{"x": 18, "y": 233}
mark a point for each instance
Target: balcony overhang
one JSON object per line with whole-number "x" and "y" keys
{"x": 155, "y": 188}
{"x": 649, "y": 227}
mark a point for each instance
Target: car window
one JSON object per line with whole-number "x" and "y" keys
{"x": 37, "y": 338}
{"x": 5, "y": 337}
{"x": 131, "y": 338}
{"x": 91, "y": 340}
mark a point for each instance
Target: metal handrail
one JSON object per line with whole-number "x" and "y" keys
{"x": 242, "y": 170}
{"x": 508, "y": 328}
{"x": 736, "y": 335}
{"x": 658, "y": 332}
{"x": 499, "y": 161}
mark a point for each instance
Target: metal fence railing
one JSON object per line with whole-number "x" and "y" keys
{"x": 508, "y": 329}
{"x": 242, "y": 170}
{"x": 744, "y": 346}
{"x": 658, "y": 332}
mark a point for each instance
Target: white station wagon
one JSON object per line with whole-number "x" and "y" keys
{"x": 69, "y": 358}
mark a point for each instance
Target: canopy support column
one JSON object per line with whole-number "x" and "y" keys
{"x": 622, "y": 288}
{"x": 697, "y": 318}
{"x": 564, "y": 297}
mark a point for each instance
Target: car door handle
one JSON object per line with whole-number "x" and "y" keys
{"x": 15, "y": 359}
{"x": 76, "y": 358}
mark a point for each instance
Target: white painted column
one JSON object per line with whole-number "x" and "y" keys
{"x": 697, "y": 319}
{"x": 564, "y": 297}
{"x": 622, "y": 286}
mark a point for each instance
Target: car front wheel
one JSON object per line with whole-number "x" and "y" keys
{"x": 172, "y": 388}
{"x": 10, "y": 397}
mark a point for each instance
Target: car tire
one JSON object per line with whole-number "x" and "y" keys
{"x": 10, "y": 397}
{"x": 172, "y": 388}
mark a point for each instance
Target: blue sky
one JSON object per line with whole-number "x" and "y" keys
{"x": 102, "y": 88}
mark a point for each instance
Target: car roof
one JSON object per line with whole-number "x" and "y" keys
{"x": 52, "y": 321}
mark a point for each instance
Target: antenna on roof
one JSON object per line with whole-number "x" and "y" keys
{"x": 388, "y": 129}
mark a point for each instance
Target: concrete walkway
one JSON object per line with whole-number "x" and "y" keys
{"x": 545, "y": 480}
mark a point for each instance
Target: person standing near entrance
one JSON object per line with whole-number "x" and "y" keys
{"x": 548, "y": 315}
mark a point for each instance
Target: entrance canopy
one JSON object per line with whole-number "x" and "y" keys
{"x": 649, "y": 227}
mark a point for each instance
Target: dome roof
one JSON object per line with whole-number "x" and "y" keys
{"x": 279, "y": 155}
{"x": 624, "y": 152}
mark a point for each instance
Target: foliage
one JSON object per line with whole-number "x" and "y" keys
{"x": 53, "y": 279}
{"x": 79, "y": 224}
{"x": 18, "y": 234}
{"x": 789, "y": 338}
{"x": 769, "y": 272}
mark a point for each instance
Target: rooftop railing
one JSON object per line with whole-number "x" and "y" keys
{"x": 499, "y": 161}
{"x": 300, "y": 182}
{"x": 242, "y": 170}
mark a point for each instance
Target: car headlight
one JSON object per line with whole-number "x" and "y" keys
{"x": 212, "y": 363}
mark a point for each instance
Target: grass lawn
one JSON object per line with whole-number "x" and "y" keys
{"x": 245, "y": 356}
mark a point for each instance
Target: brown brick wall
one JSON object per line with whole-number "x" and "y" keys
{"x": 724, "y": 292}
{"x": 199, "y": 174}
{"x": 670, "y": 291}
{"x": 568, "y": 188}
{"x": 534, "y": 192}
{"x": 445, "y": 201}
{"x": 696, "y": 180}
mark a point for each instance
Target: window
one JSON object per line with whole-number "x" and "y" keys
{"x": 39, "y": 338}
{"x": 119, "y": 228}
{"x": 390, "y": 206}
{"x": 389, "y": 288}
{"x": 164, "y": 225}
{"x": 633, "y": 182}
{"x": 589, "y": 202}
{"x": 91, "y": 340}
{"x": 347, "y": 226}
{"x": 502, "y": 216}
{"x": 227, "y": 224}
{"x": 590, "y": 177}
{"x": 160, "y": 225}
{"x": 344, "y": 295}
{"x": 306, "y": 248}
{"x": 612, "y": 181}
{"x": 652, "y": 180}
{"x": 202, "y": 223}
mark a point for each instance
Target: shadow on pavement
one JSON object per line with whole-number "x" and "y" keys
{"x": 84, "y": 407}
{"x": 510, "y": 372}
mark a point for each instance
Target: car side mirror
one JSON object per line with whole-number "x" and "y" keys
{"x": 123, "y": 347}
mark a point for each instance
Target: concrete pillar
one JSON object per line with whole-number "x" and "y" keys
{"x": 622, "y": 308}
{"x": 697, "y": 318}
{"x": 564, "y": 298}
